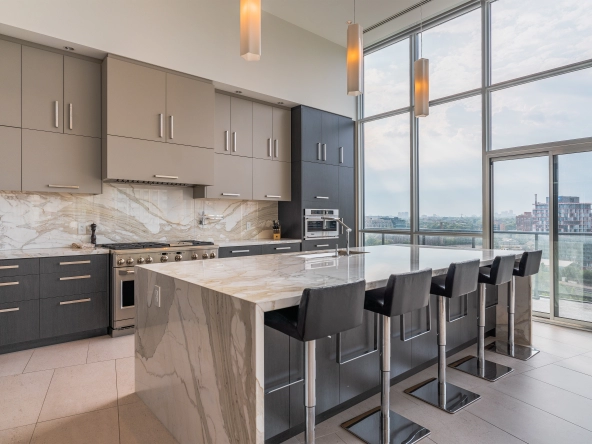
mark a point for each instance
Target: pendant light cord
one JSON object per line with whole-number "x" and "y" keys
{"x": 421, "y": 31}
{"x": 354, "y": 11}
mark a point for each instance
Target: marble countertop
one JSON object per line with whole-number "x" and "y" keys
{"x": 277, "y": 281}
{"x": 49, "y": 252}
{"x": 244, "y": 243}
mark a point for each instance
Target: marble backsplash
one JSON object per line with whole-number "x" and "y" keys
{"x": 128, "y": 213}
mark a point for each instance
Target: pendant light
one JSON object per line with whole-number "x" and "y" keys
{"x": 250, "y": 30}
{"x": 421, "y": 68}
{"x": 355, "y": 58}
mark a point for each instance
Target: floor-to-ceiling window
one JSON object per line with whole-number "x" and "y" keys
{"x": 503, "y": 158}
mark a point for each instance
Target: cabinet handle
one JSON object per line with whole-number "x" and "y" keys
{"x": 268, "y": 147}
{"x": 160, "y": 118}
{"x": 234, "y": 141}
{"x": 172, "y": 127}
{"x": 318, "y": 151}
{"x": 240, "y": 251}
{"x": 57, "y": 110}
{"x": 276, "y": 148}
{"x": 74, "y": 262}
{"x": 160, "y": 176}
{"x": 321, "y": 197}
{"x": 324, "y": 151}
{"x": 340, "y": 154}
{"x": 8, "y": 267}
{"x": 124, "y": 272}
{"x": 70, "y": 116}
{"x": 283, "y": 248}
{"x": 77, "y": 301}
{"x": 231, "y": 194}
{"x": 226, "y": 140}
{"x": 271, "y": 196}
{"x": 322, "y": 245}
{"x": 6, "y": 310}
{"x": 71, "y": 278}
{"x": 73, "y": 187}
{"x": 6, "y": 284}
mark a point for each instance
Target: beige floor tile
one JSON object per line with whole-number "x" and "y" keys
{"x": 106, "y": 348}
{"x": 138, "y": 425}
{"x": 80, "y": 389}
{"x": 582, "y": 364}
{"x": 57, "y": 356}
{"x": 565, "y": 378}
{"x": 126, "y": 387}
{"x": 99, "y": 427}
{"x": 21, "y": 398}
{"x": 18, "y": 435}
{"x": 570, "y": 336}
{"x": 14, "y": 363}
{"x": 557, "y": 348}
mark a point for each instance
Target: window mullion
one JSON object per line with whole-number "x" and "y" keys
{"x": 414, "y": 142}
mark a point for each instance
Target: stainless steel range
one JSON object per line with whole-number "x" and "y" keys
{"x": 125, "y": 256}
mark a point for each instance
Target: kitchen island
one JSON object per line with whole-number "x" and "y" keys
{"x": 201, "y": 343}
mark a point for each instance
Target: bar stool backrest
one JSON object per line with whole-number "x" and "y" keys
{"x": 530, "y": 263}
{"x": 502, "y": 269}
{"x": 327, "y": 311}
{"x": 462, "y": 278}
{"x": 407, "y": 292}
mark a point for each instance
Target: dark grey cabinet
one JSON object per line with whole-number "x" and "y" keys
{"x": 248, "y": 250}
{"x": 345, "y": 149}
{"x": 19, "y": 322}
{"x": 280, "y": 248}
{"x": 307, "y": 132}
{"x": 320, "y": 185}
{"x": 19, "y": 288}
{"x": 18, "y": 267}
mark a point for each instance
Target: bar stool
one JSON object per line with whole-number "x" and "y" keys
{"x": 322, "y": 312}
{"x": 460, "y": 280}
{"x": 498, "y": 273}
{"x": 529, "y": 265}
{"x": 403, "y": 294}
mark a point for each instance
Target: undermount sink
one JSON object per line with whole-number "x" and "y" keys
{"x": 330, "y": 254}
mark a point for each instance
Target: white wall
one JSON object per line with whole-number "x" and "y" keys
{"x": 199, "y": 37}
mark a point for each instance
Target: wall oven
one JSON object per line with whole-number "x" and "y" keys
{"x": 317, "y": 228}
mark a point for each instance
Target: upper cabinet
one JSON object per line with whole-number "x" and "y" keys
{"x": 282, "y": 135}
{"x": 271, "y": 133}
{"x": 10, "y": 84}
{"x": 10, "y": 153}
{"x": 345, "y": 153}
{"x": 234, "y": 126}
{"x": 151, "y": 104}
{"x": 82, "y": 97}
{"x": 321, "y": 142}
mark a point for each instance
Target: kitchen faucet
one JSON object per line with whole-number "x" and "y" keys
{"x": 347, "y": 231}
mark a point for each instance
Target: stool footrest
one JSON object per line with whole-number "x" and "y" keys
{"x": 490, "y": 371}
{"x": 452, "y": 400}
{"x": 522, "y": 352}
{"x": 367, "y": 427}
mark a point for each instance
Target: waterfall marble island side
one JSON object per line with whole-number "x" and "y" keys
{"x": 200, "y": 329}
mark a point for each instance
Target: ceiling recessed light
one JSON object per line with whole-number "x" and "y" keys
{"x": 280, "y": 103}
{"x": 68, "y": 48}
{"x": 238, "y": 92}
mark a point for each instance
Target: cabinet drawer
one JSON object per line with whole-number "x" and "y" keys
{"x": 280, "y": 248}
{"x": 251, "y": 250}
{"x": 74, "y": 264}
{"x": 319, "y": 244}
{"x": 72, "y": 314}
{"x": 72, "y": 283}
{"x": 19, "y": 322}
{"x": 320, "y": 184}
{"x": 19, "y": 288}
{"x": 19, "y": 267}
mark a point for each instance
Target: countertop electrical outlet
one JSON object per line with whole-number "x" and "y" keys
{"x": 81, "y": 228}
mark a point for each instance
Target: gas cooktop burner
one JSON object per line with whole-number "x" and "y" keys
{"x": 146, "y": 245}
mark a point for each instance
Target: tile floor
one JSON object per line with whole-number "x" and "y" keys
{"x": 83, "y": 392}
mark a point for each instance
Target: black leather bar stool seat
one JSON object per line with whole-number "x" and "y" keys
{"x": 403, "y": 294}
{"x": 499, "y": 273}
{"x": 528, "y": 265}
{"x": 322, "y": 312}
{"x": 460, "y": 280}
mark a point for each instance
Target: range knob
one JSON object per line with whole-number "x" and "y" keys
{"x": 164, "y": 258}
{"x": 130, "y": 261}
{"x": 212, "y": 255}
{"x": 141, "y": 260}
{"x": 149, "y": 260}
{"x": 120, "y": 261}
{"x": 194, "y": 256}
{"x": 178, "y": 258}
{"x": 205, "y": 255}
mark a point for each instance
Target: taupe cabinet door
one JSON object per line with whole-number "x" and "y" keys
{"x": 190, "y": 108}
{"x": 135, "y": 159}
{"x": 282, "y": 134}
{"x": 61, "y": 163}
{"x": 234, "y": 178}
{"x": 222, "y": 127}
{"x": 10, "y": 153}
{"x": 42, "y": 90}
{"x": 241, "y": 127}
{"x": 262, "y": 131}
{"x": 10, "y": 84}
{"x": 271, "y": 180}
{"x": 136, "y": 100}
{"x": 82, "y": 97}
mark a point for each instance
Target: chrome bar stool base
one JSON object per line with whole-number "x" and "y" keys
{"x": 490, "y": 371}
{"x": 367, "y": 427}
{"x": 522, "y": 352}
{"x": 451, "y": 399}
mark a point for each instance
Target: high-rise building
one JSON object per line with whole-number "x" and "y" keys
{"x": 573, "y": 216}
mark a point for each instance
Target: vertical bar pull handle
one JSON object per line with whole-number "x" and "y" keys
{"x": 269, "y": 148}
{"x": 234, "y": 141}
{"x": 172, "y": 127}
{"x": 71, "y": 116}
{"x": 226, "y": 140}
{"x": 276, "y": 148}
{"x": 161, "y": 125}
{"x": 57, "y": 110}
{"x": 318, "y": 151}
{"x": 324, "y": 151}
{"x": 340, "y": 154}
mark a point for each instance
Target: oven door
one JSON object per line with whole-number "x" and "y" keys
{"x": 124, "y": 308}
{"x": 315, "y": 227}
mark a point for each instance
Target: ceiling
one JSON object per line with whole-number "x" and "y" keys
{"x": 328, "y": 18}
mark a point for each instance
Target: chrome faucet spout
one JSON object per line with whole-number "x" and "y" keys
{"x": 347, "y": 230}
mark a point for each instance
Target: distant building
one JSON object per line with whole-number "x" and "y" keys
{"x": 524, "y": 222}
{"x": 573, "y": 216}
{"x": 385, "y": 222}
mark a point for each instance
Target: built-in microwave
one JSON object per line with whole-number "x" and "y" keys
{"x": 316, "y": 227}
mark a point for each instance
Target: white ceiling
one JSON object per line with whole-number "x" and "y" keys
{"x": 328, "y": 18}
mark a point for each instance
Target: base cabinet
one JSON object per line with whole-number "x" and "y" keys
{"x": 72, "y": 314}
{"x": 19, "y": 322}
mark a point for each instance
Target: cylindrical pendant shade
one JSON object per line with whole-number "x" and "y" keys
{"x": 355, "y": 60}
{"x": 422, "y": 87}
{"x": 250, "y": 29}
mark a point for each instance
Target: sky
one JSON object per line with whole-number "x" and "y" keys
{"x": 528, "y": 36}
